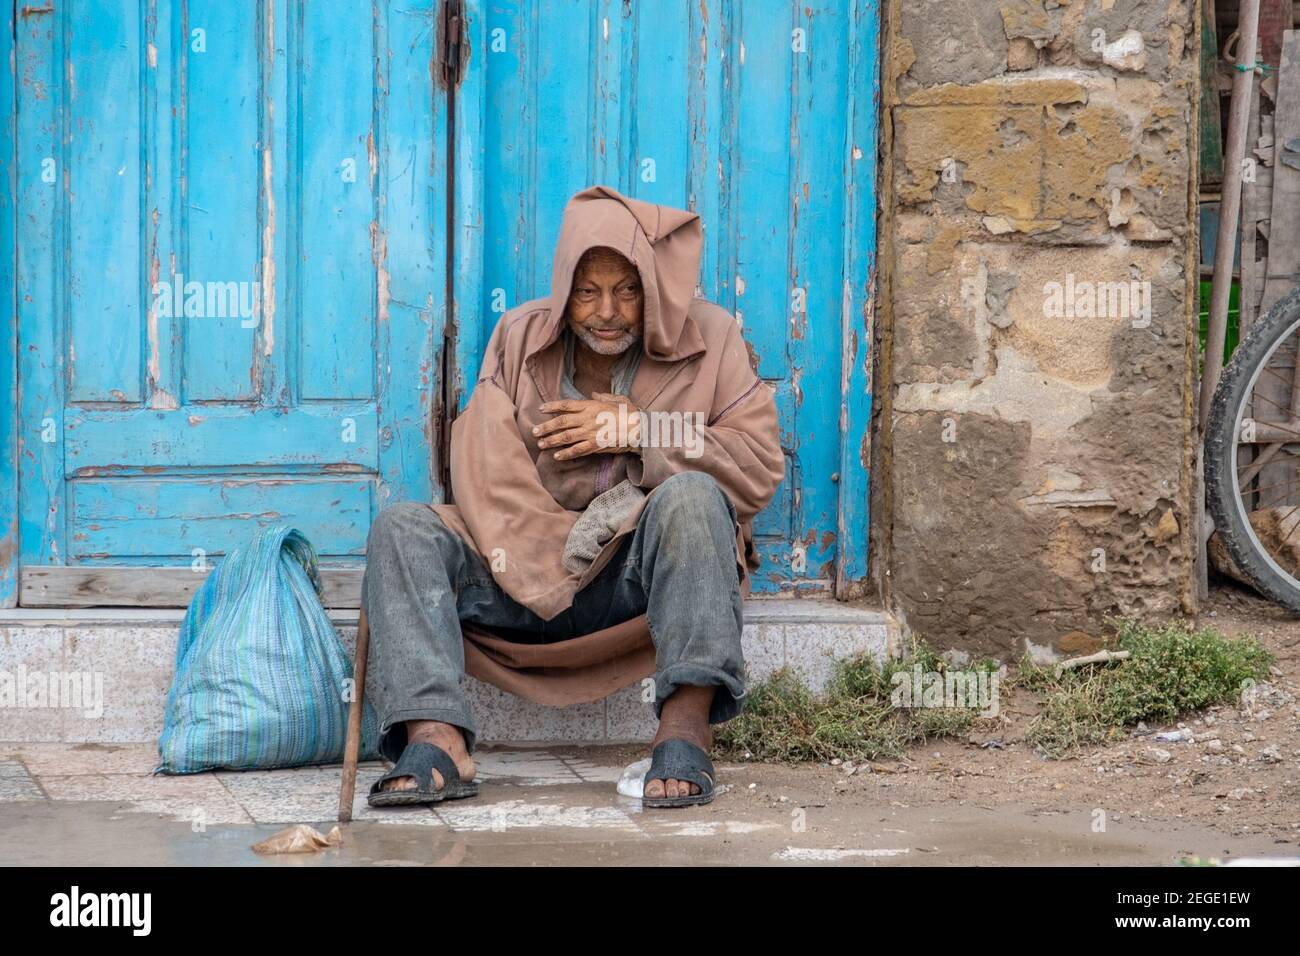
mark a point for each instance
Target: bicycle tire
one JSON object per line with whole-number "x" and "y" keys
{"x": 1227, "y": 410}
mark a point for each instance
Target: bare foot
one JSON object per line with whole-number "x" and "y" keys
{"x": 684, "y": 716}
{"x": 446, "y": 736}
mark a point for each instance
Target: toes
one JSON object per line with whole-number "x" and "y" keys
{"x": 408, "y": 783}
{"x": 672, "y": 787}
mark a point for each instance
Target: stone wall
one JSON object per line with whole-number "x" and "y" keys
{"x": 1033, "y": 448}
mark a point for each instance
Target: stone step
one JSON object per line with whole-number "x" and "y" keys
{"x": 134, "y": 650}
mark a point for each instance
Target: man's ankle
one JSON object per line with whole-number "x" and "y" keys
{"x": 435, "y": 732}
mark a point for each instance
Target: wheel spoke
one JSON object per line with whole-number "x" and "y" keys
{"x": 1282, "y": 425}
{"x": 1252, "y": 468}
{"x": 1279, "y": 502}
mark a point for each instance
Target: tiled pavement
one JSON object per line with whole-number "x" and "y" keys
{"x": 526, "y": 789}
{"x": 96, "y": 804}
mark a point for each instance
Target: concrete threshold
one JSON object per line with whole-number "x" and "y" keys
{"x": 759, "y": 610}
{"x": 134, "y": 649}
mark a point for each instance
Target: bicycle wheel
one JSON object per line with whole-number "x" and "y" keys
{"x": 1252, "y": 454}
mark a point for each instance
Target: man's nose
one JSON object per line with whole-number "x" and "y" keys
{"x": 607, "y": 308}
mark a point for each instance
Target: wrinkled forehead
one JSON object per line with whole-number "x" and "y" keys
{"x": 604, "y": 262}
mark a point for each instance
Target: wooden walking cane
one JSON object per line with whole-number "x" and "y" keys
{"x": 352, "y": 748}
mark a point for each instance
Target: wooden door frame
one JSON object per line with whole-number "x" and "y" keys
{"x": 9, "y": 317}
{"x": 858, "y": 314}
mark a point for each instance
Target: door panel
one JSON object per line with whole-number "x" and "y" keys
{"x": 149, "y": 521}
{"x": 740, "y": 110}
{"x": 232, "y": 286}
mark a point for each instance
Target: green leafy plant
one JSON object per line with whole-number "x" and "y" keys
{"x": 854, "y": 719}
{"x": 1172, "y": 670}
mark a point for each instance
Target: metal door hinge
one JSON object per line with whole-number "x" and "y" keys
{"x": 452, "y": 50}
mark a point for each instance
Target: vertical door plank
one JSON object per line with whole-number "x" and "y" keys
{"x": 221, "y": 169}
{"x": 565, "y": 135}
{"x": 162, "y": 201}
{"x": 660, "y": 37}
{"x": 409, "y": 249}
{"x": 279, "y": 46}
{"x": 336, "y": 277}
{"x": 711, "y": 130}
{"x": 761, "y": 182}
{"x": 613, "y": 63}
{"x": 492, "y": 264}
{"x": 104, "y": 288}
{"x": 819, "y": 77}
{"x": 42, "y": 210}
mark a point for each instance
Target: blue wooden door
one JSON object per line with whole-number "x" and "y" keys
{"x": 231, "y": 273}
{"x": 759, "y": 114}
{"x": 261, "y": 245}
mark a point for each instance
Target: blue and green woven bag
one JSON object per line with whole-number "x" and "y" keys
{"x": 262, "y": 679}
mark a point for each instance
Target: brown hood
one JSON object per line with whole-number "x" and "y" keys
{"x": 662, "y": 242}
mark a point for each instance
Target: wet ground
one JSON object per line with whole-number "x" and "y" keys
{"x": 96, "y": 804}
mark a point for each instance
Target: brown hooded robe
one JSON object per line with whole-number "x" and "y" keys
{"x": 510, "y": 495}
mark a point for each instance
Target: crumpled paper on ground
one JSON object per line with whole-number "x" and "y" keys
{"x": 299, "y": 838}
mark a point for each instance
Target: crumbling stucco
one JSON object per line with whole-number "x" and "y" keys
{"x": 1036, "y": 429}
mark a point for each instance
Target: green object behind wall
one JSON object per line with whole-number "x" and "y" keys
{"x": 1230, "y": 340}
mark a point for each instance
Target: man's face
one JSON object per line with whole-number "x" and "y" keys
{"x": 605, "y": 304}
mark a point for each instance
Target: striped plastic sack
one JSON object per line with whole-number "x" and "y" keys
{"x": 262, "y": 679}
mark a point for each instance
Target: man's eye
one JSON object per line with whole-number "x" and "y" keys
{"x": 630, "y": 291}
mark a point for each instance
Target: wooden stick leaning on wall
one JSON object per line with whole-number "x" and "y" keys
{"x": 352, "y": 748}
{"x": 1229, "y": 203}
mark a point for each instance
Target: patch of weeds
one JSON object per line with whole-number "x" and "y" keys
{"x": 1172, "y": 671}
{"x": 854, "y": 719}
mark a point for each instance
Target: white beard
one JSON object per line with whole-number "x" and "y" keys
{"x": 606, "y": 347}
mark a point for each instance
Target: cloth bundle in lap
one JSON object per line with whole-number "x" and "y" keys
{"x": 262, "y": 678}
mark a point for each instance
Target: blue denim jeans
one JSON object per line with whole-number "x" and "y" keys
{"x": 678, "y": 568}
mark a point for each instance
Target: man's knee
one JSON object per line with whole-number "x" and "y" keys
{"x": 687, "y": 495}
{"x": 391, "y": 531}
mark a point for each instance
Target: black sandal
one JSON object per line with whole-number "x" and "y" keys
{"x": 418, "y": 761}
{"x": 680, "y": 760}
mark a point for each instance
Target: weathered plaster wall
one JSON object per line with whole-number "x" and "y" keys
{"x": 1037, "y": 464}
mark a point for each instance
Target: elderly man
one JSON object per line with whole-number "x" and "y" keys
{"x": 605, "y": 474}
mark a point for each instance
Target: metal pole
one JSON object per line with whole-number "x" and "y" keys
{"x": 1230, "y": 202}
